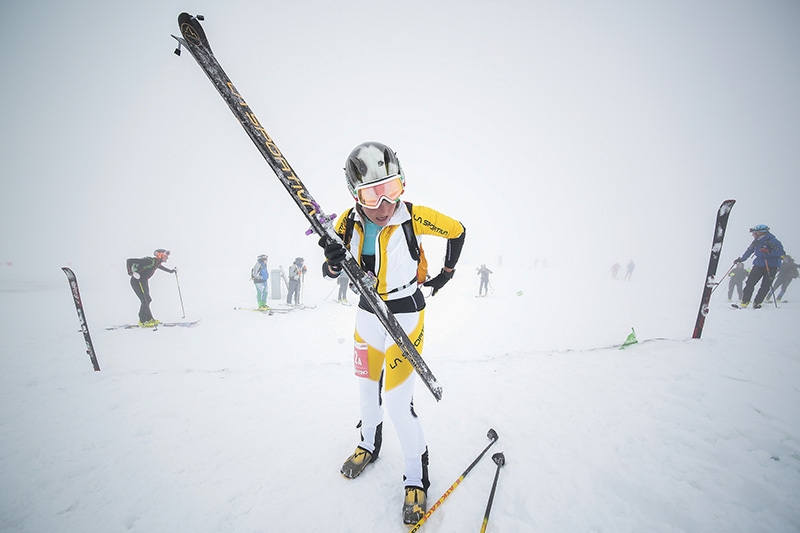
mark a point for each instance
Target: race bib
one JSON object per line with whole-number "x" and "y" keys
{"x": 361, "y": 359}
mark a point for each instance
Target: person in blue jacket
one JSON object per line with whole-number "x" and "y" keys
{"x": 259, "y": 274}
{"x": 768, "y": 252}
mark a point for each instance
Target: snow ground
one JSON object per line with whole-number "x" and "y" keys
{"x": 241, "y": 423}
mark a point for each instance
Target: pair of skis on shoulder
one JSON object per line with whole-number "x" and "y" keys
{"x": 194, "y": 39}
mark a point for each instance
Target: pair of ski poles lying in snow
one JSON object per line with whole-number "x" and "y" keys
{"x": 499, "y": 460}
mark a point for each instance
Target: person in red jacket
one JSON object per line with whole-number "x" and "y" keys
{"x": 140, "y": 271}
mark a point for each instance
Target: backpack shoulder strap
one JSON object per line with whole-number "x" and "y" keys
{"x": 408, "y": 229}
{"x": 348, "y": 227}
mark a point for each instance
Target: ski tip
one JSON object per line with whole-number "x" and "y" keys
{"x": 726, "y": 207}
{"x": 192, "y": 31}
{"x": 186, "y": 17}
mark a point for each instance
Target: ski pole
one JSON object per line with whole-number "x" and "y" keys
{"x": 499, "y": 460}
{"x": 302, "y": 286}
{"x": 183, "y": 312}
{"x": 771, "y": 287}
{"x": 723, "y": 277}
{"x": 329, "y": 294}
{"x": 492, "y": 434}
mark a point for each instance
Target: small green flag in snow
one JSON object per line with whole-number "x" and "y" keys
{"x": 630, "y": 340}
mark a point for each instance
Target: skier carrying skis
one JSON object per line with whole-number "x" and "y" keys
{"x": 379, "y": 239}
{"x": 768, "y": 251}
{"x": 296, "y": 272}
{"x": 260, "y": 274}
{"x": 140, "y": 271}
{"x": 483, "y": 288}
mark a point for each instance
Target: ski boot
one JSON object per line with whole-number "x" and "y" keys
{"x": 356, "y": 463}
{"x": 414, "y": 505}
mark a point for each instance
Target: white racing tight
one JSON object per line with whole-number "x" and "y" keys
{"x": 376, "y": 354}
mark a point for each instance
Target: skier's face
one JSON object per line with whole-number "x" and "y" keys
{"x": 382, "y": 214}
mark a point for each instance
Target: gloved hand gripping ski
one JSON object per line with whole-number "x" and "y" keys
{"x": 335, "y": 253}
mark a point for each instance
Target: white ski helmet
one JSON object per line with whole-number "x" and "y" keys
{"x": 370, "y": 162}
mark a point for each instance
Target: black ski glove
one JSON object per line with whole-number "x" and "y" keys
{"x": 439, "y": 281}
{"x": 334, "y": 252}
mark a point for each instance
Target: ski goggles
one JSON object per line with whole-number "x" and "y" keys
{"x": 390, "y": 189}
{"x": 162, "y": 254}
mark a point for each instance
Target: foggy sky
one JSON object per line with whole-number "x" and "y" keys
{"x": 577, "y": 132}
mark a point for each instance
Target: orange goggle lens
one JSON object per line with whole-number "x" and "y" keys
{"x": 371, "y": 195}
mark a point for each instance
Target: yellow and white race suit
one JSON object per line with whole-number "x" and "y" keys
{"x": 377, "y": 359}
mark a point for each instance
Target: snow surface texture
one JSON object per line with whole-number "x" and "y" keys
{"x": 242, "y": 422}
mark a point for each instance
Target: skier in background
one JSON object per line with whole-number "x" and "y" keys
{"x": 768, "y": 251}
{"x": 786, "y": 273}
{"x": 344, "y": 282}
{"x": 380, "y": 240}
{"x": 484, "y": 272}
{"x": 296, "y": 272}
{"x": 737, "y": 277}
{"x": 614, "y": 269}
{"x": 629, "y": 270}
{"x": 140, "y": 271}
{"x": 259, "y": 274}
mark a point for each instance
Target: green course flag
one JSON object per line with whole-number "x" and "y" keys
{"x": 630, "y": 340}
